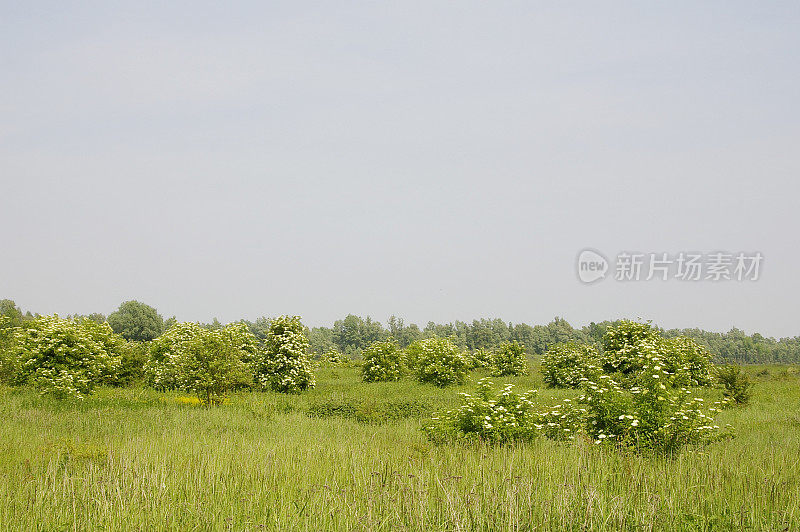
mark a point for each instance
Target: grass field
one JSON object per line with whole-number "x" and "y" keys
{"x": 350, "y": 456}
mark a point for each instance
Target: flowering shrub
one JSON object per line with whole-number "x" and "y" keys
{"x": 628, "y": 347}
{"x": 503, "y": 418}
{"x": 65, "y": 358}
{"x": 412, "y": 353}
{"x": 383, "y": 361}
{"x": 689, "y": 361}
{"x": 565, "y": 365}
{"x": 653, "y": 414}
{"x": 213, "y": 364}
{"x": 509, "y": 359}
{"x": 285, "y": 366}
{"x": 336, "y": 357}
{"x": 441, "y": 363}
{"x": 163, "y": 370}
{"x": 622, "y": 343}
{"x": 480, "y": 358}
{"x": 208, "y": 363}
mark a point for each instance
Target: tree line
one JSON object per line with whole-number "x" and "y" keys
{"x": 352, "y": 334}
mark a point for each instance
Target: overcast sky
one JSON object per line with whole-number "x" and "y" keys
{"x": 437, "y": 161}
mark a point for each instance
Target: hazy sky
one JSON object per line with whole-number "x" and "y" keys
{"x": 437, "y": 161}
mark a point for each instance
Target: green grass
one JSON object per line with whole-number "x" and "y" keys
{"x": 135, "y": 459}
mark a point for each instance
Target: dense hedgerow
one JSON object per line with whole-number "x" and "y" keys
{"x": 285, "y": 366}
{"x": 383, "y": 361}
{"x": 441, "y": 363}
{"x": 64, "y": 358}
{"x": 509, "y": 359}
{"x": 565, "y": 365}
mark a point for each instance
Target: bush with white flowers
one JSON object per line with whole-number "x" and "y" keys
{"x": 207, "y": 363}
{"x": 564, "y": 365}
{"x": 502, "y": 418}
{"x": 509, "y": 359}
{"x": 383, "y": 361}
{"x": 441, "y": 363}
{"x": 285, "y": 366}
{"x": 64, "y": 358}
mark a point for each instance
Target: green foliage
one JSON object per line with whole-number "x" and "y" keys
{"x": 383, "y": 361}
{"x": 629, "y": 344}
{"x": 441, "y": 363}
{"x": 736, "y": 384}
{"x": 369, "y": 411}
{"x": 413, "y": 352}
{"x": 133, "y": 358}
{"x": 163, "y": 370}
{"x": 509, "y": 359}
{"x": 655, "y": 413}
{"x": 206, "y": 362}
{"x": 689, "y": 361}
{"x": 213, "y": 365}
{"x": 65, "y": 358}
{"x": 503, "y": 418}
{"x": 136, "y": 321}
{"x": 480, "y": 358}
{"x": 565, "y": 365}
{"x": 622, "y": 346}
{"x": 335, "y": 357}
{"x": 7, "y": 359}
{"x": 285, "y": 366}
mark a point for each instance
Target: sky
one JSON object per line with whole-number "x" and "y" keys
{"x": 437, "y": 161}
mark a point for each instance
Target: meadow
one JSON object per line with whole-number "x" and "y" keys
{"x": 350, "y": 455}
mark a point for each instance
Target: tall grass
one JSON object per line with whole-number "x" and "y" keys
{"x": 134, "y": 459}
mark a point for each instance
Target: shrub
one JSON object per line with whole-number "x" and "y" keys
{"x": 509, "y": 359}
{"x": 689, "y": 361}
{"x": 412, "y": 352}
{"x": 653, "y": 414}
{"x": 441, "y": 363}
{"x": 623, "y": 343}
{"x": 213, "y": 365}
{"x": 503, "y": 418}
{"x": 480, "y": 358}
{"x": 383, "y": 361}
{"x": 205, "y": 362}
{"x": 65, "y": 358}
{"x": 285, "y": 366}
{"x": 736, "y": 384}
{"x": 336, "y": 357}
{"x": 565, "y": 365}
{"x": 629, "y": 345}
{"x": 167, "y": 355}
